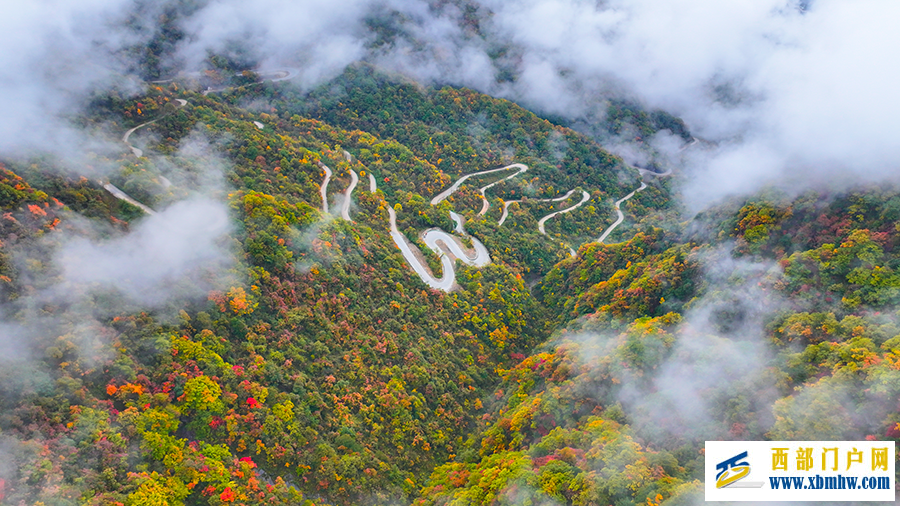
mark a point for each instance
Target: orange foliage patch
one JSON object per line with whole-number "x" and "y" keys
{"x": 227, "y": 495}
{"x": 238, "y": 301}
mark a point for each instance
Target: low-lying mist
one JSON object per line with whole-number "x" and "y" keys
{"x": 784, "y": 91}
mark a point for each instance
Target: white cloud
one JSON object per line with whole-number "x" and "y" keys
{"x": 783, "y": 91}
{"x": 789, "y": 91}
{"x": 172, "y": 254}
{"x": 52, "y": 55}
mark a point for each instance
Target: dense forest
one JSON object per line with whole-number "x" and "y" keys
{"x": 306, "y": 362}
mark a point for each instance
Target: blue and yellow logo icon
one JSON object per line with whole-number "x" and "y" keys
{"x": 732, "y": 470}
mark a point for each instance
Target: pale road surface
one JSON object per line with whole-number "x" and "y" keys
{"x": 445, "y": 282}
{"x": 451, "y": 248}
{"x": 458, "y": 220}
{"x": 485, "y": 204}
{"x": 119, "y": 194}
{"x": 646, "y": 172}
{"x": 323, "y": 189}
{"x": 643, "y": 172}
{"x": 482, "y": 255}
{"x": 282, "y": 74}
{"x": 137, "y": 152}
{"x": 443, "y": 243}
{"x": 585, "y": 196}
{"x": 448, "y": 247}
{"x": 508, "y": 202}
{"x": 345, "y": 206}
{"x": 621, "y": 217}
{"x": 449, "y": 191}
{"x": 278, "y": 74}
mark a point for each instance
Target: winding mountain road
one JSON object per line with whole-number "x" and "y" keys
{"x": 458, "y": 221}
{"x": 585, "y": 196}
{"x": 446, "y": 246}
{"x": 509, "y": 202}
{"x": 438, "y": 240}
{"x": 449, "y": 249}
{"x": 280, "y": 74}
{"x": 485, "y": 203}
{"x": 345, "y": 205}
{"x": 137, "y": 152}
{"x": 274, "y": 75}
{"x": 621, "y": 217}
{"x": 644, "y": 173}
{"x": 373, "y": 185}
{"x": 119, "y": 194}
{"x": 452, "y": 189}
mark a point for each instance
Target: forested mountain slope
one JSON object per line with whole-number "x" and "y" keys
{"x": 317, "y": 366}
{"x": 323, "y": 358}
